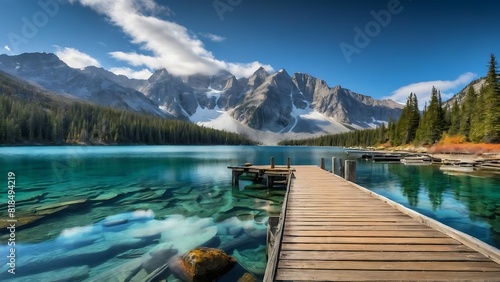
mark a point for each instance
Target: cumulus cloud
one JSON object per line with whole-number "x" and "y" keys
{"x": 76, "y": 59}
{"x": 213, "y": 37}
{"x": 130, "y": 73}
{"x": 165, "y": 44}
{"x": 6, "y": 47}
{"x": 423, "y": 89}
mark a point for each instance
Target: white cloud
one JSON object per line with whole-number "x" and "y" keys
{"x": 130, "y": 73}
{"x": 168, "y": 45}
{"x": 213, "y": 37}
{"x": 76, "y": 59}
{"x": 6, "y": 47}
{"x": 423, "y": 89}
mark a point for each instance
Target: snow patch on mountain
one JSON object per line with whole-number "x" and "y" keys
{"x": 205, "y": 115}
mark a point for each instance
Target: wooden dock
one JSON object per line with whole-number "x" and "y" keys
{"x": 334, "y": 230}
{"x": 270, "y": 173}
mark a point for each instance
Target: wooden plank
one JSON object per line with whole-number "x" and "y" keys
{"x": 391, "y": 265}
{"x": 385, "y": 256}
{"x": 294, "y": 226}
{"x": 370, "y": 240}
{"x": 357, "y": 275}
{"x": 353, "y": 223}
{"x": 333, "y": 207}
{"x": 363, "y": 233}
{"x": 373, "y": 247}
{"x": 351, "y": 219}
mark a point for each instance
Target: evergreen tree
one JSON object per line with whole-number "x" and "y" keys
{"x": 407, "y": 124}
{"x": 432, "y": 124}
{"x": 382, "y": 134}
{"x": 454, "y": 119}
{"x": 466, "y": 112}
{"x": 492, "y": 99}
{"x": 477, "y": 121}
{"x": 414, "y": 119}
{"x": 391, "y": 127}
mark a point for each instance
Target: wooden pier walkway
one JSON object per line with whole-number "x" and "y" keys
{"x": 334, "y": 230}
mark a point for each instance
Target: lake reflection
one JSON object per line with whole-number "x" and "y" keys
{"x": 469, "y": 203}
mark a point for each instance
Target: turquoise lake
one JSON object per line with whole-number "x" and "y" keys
{"x": 92, "y": 213}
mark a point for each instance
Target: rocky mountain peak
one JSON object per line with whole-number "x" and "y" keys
{"x": 261, "y": 72}
{"x": 159, "y": 75}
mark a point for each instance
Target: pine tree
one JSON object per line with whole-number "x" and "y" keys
{"x": 407, "y": 124}
{"x": 414, "y": 118}
{"x": 466, "y": 112}
{"x": 477, "y": 123}
{"x": 492, "y": 99}
{"x": 454, "y": 119}
{"x": 431, "y": 126}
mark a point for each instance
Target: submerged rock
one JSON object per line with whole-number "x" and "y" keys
{"x": 253, "y": 260}
{"x": 201, "y": 264}
{"x": 247, "y": 277}
{"x": 61, "y": 275}
{"x": 106, "y": 196}
{"x": 124, "y": 272}
{"x": 158, "y": 256}
{"x": 21, "y": 221}
{"x": 57, "y": 206}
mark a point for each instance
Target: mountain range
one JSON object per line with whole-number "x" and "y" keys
{"x": 267, "y": 107}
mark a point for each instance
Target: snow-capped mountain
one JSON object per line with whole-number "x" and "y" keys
{"x": 274, "y": 106}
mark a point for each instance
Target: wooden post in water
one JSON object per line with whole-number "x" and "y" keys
{"x": 323, "y": 163}
{"x": 333, "y": 165}
{"x": 235, "y": 181}
{"x": 272, "y": 225}
{"x": 272, "y": 162}
{"x": 341, "y": 168}
{"x": 350, "y": 170}
{"x": 288, "y": 162}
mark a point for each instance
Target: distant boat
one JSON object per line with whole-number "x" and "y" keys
{"x": 458, "y": 167}
{"x": 417, "y": 160}
{"x": 493, "y": 164}
{"x": 387, "y": 157}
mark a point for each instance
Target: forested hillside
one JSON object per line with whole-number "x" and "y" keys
{"x": 476, "y": 119}
{"x": 30, "y": 115}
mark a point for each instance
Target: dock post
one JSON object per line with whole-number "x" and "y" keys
{"x": 272, "y": 226}
{"x": 270, "y": 181}
{"x": 235, "y": 178}
{"x": 341, "y": 168}
{"x": 333, "y": 165}
{"x": 288, "y": 162}
{"x": 350, "y": 170}
{"x": 272, "y": 162}
{"x": 323, "y": 163}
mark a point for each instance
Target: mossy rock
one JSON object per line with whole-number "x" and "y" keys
{"x": 201, "y": 264}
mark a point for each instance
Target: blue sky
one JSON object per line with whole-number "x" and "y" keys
{"x": 384, "y": 49}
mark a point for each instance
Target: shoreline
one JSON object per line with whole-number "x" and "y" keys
{"x": 466, "y": 156}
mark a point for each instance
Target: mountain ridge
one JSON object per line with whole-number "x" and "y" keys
{"x": 276, "y": 103}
